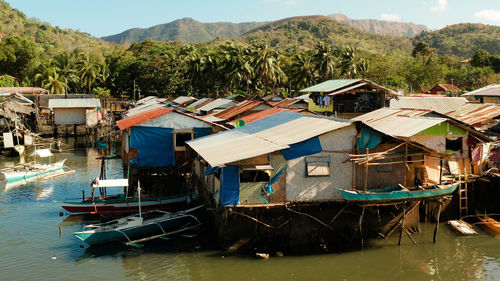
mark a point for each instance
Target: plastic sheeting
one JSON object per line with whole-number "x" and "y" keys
{"x": 307, "y": 147}
{"x": 229, "y": 194}
{"x": 201, "y": 132}
{"x": 368, "y": 139}
{"x": 155, "y": 146}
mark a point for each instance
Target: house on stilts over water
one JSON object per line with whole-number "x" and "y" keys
{"x": 277, "y": 180}
{"x": 154, "y": 146}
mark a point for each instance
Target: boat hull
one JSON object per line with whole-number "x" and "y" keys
{"x": 490, "y": 225}
{"x": 161, "y": 225}
{"x": 35, "y": 172}
{"x": 400, "y": 195}
{"x": 125, "y": 205}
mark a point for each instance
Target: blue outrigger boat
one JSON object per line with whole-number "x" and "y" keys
{"x": 399, "y": 193}
{"x": 139, "y": 228}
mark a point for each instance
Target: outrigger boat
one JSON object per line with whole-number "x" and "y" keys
{"x": 141, "y": 227}
{"x": 490, "y": 225}
{"x": 121, "y": 203}
{"x": 31, "y": 171}
{"x": 398, "y": 193}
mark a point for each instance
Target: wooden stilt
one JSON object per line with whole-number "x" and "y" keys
{"x": 366, "y": 168}
{"x": 402, "y": 226}
{"x": 437, "y": 222}
{"x": 405, "y": 163}
{"x": 361, "y": 227}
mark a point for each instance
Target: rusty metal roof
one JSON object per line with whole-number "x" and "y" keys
{"x": 183, "y": 99}
{"x": 200, "y": 102}
{"x": 142, "y": 117}
{"x": 217, "y": 104}
{"x": 437, "y": 104}
{"x": 238, "y": 109}
{"x": 265, "y": 113}
{"x": 267, "y": 135}
{"x": 475, "y": 114}
{"x": 287, "y": 102}
{"x": 490, "y": 90}
{"x": 399, "y": 122}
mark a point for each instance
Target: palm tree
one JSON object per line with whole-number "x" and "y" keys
{"x": 235, "y": 63}
{"x": 303, "y": 71}
{"x": 55, "y": 84}
{"x": 87, "y": 70}
{"x": 266, "y": 65}
{"x": 351, "y": 65}
{"x": 325, "y": 61}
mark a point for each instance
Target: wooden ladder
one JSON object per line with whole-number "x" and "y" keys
{"x": 462, "y": 196}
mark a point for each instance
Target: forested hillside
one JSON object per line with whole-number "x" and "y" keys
{"x": 381, "y": 26}
{"x": 462, "y": 40}
{"x": 186, "y": 30}
{"x": 301, "y": 33}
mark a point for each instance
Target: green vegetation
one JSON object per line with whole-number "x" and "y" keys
{"x": 186, "y": 30}
{"x": 279, "y": 57}
{"x": 462, "y": 40}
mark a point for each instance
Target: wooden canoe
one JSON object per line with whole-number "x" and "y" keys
{"x": 489, "y": 224}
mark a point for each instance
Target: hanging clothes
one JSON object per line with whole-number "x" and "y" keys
{"x": 476, "y": 154}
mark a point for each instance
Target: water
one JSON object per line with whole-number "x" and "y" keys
{"x": 29, "y": 237}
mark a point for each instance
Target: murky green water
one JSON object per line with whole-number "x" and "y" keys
{"x": 29, "y": 237}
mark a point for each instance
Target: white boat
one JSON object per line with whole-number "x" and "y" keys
{"x": 30, "y": 171}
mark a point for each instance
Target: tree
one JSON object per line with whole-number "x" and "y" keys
{"x": 303, "y": 73}
{"x": 266, "y": 65}
{"x": 87, "y": 69}
{"x": 480, "y": 58}
{"x": 55, "y": 84}
{"x": 351, "y": 65}
{"x": 18, "y": 57}
{"x": 325, "y": 61}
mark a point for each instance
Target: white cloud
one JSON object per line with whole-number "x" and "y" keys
{"x": 441, "y": 6}
{"x": 488, "y": 15}
{"x": 391, "y": 17}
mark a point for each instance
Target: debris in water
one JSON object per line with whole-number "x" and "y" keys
{"x": 54, "y": 257}
{"x": 264, "y": 256}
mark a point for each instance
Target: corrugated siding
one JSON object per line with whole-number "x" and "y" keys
{"x": 490, "y": 90}
{"x": 218, "y": 103}
{"x": 141, "y": 117}
{"x": 437, "y": 104}
{"x": 475, "y": 113}
{"x": 74, "y": 103}
{"x": 330, "y": 85}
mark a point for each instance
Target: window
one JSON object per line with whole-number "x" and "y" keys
{"x": 180, "y": 139}
{"x": 318, "y": 166}
{"x": 454, "y": 144}
{"x": 255, "y": 173}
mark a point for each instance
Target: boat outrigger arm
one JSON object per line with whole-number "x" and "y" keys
{"x": 97, "y": 183}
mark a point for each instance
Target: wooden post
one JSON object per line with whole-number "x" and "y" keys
{"x": 402, "y": 226}
{"x": 360, "y": 226}
{"x": 366, "y": 168}
{"x": 405, "y": 163}
{"x": 440, "y": 170}
{"x": 437, "y": 222}
{"x": 354, "y": 165}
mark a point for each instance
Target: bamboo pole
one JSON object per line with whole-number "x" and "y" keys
{"x": 406, "y": 163}
{"x": 402, "y": 226}
{"x": 437, "y": 222}
{"x": 366, "y": 168}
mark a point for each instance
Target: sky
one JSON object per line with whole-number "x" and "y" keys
{"x": 108, "y": 17}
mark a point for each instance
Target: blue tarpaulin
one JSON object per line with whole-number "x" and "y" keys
{"x": 212, "y": 170}
{"x": 155, "y": 146}
{"x": 201, "y": 132}
{"x": 307, "y": 147}
{"x": 229, "y": 194}
{"x": 368, "y": 139}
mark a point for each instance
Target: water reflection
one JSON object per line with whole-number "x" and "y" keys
{"x": 29, "y": 237}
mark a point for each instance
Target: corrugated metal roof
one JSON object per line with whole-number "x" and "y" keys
{"x": 437, "y": 104}
{"x": 218, "y": 103}
{"x": 74, "y": 103}
{"x": 143, "y": 108}
{"x": 330, "y": 85}
{"x": 142, "y": 117}
{"x": 399, "y": 122}
{"x": 265, "y": 113}
{"x": 347, "y": 89}
{"x": 475, "y": 113}
{"x": 183, "y": 99}
{"x": 200, "y": 102}
{"x": 267, "y": 135}
{"x": 287, "y": 102}
{"x": 490, "y": 90}
{"x": 240, "y": 108}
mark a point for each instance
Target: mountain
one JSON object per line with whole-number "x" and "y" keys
{"x": 462, "y": 40}
{"x": 301, "y": 33}
{"x": 185, "y": 30}
{"x": 51, "y": 39}
{"x": 381, "y": 26}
